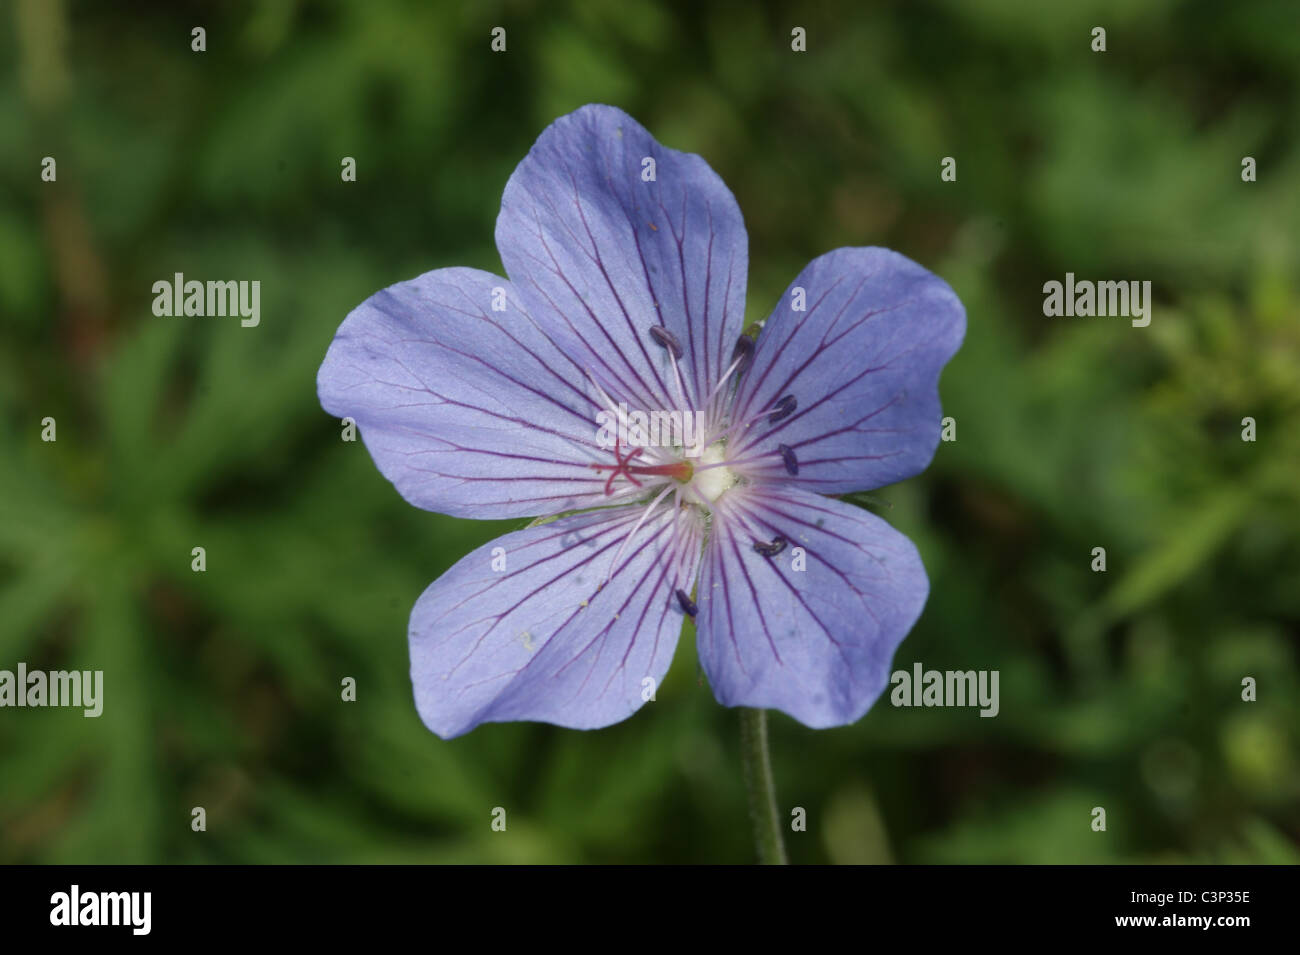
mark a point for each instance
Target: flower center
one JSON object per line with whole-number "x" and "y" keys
{"x": 712, "y": 478}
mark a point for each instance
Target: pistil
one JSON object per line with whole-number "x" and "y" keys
{"x": 680, "y": 470}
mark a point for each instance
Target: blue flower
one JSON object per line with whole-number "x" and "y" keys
{"x": 483, "y": 397}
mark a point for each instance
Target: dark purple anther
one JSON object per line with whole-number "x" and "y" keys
{"x": 771, "y": 549}
{"x": 666, "y": 339}
{"x": 688, "y": 605}
{"x": 788, "y": 458}
{"x": 742, "y": 356}
{"x": 784, "y": 408}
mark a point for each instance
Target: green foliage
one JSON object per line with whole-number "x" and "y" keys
{"x": 1120, "y": 690}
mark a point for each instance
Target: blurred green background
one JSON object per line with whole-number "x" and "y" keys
{"x": 1119, "y": 689}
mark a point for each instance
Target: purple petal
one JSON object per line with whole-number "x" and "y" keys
{"x": 862, "y": 364}
{"x": 599, "y": 255}
{"x": 541, "y": 639}
{"x": 815, "y": 643}
{"x": 467, "y": 410}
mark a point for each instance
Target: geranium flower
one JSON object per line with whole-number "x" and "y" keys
{"x": 483, "y": 397}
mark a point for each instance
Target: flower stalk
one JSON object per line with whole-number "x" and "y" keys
{"x": 761, "y": 787}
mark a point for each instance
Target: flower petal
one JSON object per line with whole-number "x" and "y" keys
{"x": 540, "y": 639}
{"x": 467, "y": 410}
{"x": 600, "y": 255}
{"x": 815, "y": 643}
{"x": 862, "y": 363}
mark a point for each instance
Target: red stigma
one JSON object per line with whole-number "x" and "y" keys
{"x": 681, "y": 470}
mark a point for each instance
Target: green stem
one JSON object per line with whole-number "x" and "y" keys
{"x": 761, "y": 787}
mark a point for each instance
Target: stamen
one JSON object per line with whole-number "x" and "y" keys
{"x": 788, "y": 458}
{"x": 783, "y": 409}
{"x": 726, "y": 377}
{"x": 687, "y": 604}
{"x": 666, "y": 339}
{"x": 623, "y": 546}
{"x": 743, "y": 354}
{"x": 609, "y": 402}
{"x": 619, "y": 413}
{"x": 771, "y": 549}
